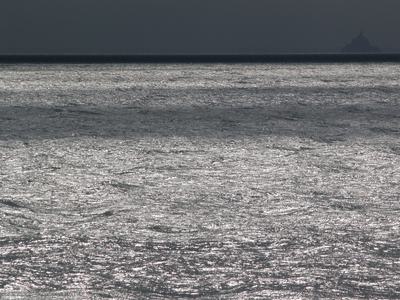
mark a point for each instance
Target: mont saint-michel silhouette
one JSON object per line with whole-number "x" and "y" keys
{"x": 360, "y": 44}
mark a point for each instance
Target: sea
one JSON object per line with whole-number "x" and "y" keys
{"x": 200, "y": 181}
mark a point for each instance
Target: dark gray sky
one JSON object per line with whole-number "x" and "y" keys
{"x": 194, "y": 26}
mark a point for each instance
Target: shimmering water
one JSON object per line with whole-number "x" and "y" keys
{"x": 210, "y": 181}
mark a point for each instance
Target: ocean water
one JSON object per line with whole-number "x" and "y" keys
{"x": 241, "y": 181}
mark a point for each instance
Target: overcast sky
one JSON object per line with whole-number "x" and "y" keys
{"x": 194, "y": 26}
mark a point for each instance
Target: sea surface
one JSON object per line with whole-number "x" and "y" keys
{"x": 220, "y": 181}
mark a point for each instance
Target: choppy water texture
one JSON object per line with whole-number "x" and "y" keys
{"x": 210, "y": 181}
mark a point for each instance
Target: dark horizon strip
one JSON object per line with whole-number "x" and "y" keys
{"x": 269, "y": 58}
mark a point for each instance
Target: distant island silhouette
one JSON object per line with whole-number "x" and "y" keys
{"x": 360, "y": 44}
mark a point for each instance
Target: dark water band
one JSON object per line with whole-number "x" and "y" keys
{"x": 270, "y": 58}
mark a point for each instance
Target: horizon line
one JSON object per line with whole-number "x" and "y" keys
{"x": 201, "y": 58}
